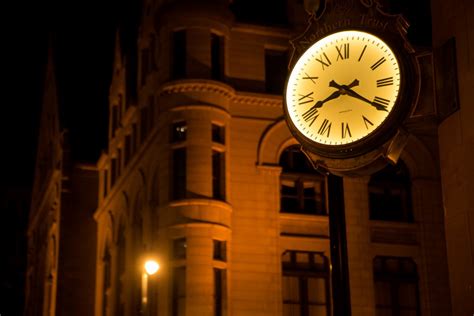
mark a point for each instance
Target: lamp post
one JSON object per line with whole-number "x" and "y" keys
{"x": 150, "y": 267}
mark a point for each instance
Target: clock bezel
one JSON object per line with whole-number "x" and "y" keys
{"x": 387, "y": 129}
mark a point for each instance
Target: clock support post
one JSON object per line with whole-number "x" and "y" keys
{"x": 338, "y": 243}
{"x": 394, "y": 91}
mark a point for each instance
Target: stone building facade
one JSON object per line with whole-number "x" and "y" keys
{"x": 202, "y": 174}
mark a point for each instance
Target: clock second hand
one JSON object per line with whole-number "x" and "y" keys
{"x": 347, "y": 90}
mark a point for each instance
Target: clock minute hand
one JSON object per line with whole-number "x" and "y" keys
{"x": 347, "y": 90}
{"x": 378, "y": 106}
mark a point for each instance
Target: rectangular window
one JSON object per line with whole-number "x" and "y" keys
{"x": 114, "y": 124}
{"x": 305, "y": 284}
{"x": 145, "y": 59}
{"x": 302, "y": 195}
{"x": 179, "y": 248}
{"x": 217, "y": 57}
{"x": 220, "y": 291}
{"x": 179, "y": 292}
{"x": 113, "y": 171}
{"x": 107, "y": 283}
{"x": 178, "y": 55}
{"x": 134, "y": 137}
{"x": 396, "y": 286}
{"x": 151, "y": 112}
{"x": 179, "y": 174}
{"x": 178, "y": 132}
{"x": 276, "y": 70}
{"x": 144, "y": 120}
{"x": 128, "y": 149}
{"x": 105, "y": 184}
{"x": 218, "y": 175}
{"x": 219, "y": 251}
{"x": 119, "y": 162}
{"x": 218, "y": 134}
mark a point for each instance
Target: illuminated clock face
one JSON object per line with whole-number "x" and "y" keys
{"x": 343, "y": 88}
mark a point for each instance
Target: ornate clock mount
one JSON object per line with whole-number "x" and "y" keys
{"x": 378, "y": 90}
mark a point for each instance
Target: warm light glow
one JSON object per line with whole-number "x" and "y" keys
{"x": 151, "y": 267}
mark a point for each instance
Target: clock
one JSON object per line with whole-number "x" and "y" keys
{"x": 343, "y": 95}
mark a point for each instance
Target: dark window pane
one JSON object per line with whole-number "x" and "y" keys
{"x": 128, "y": 149}
{"x": 305, "y": 283}
{"x": 178, "y": 132}
{"x": 115, "y": 122}
{"x": 390, "y": 194}
{"x": 218, "y": 134}
{"x": 179, "y": 248}
{"x": 144, "y": 121}
{"x": 178, "y": 55}
{"x": 219, "y": 252}
{"x": 396, "y": 286}
{"x": 113, "y": 171}
{"x": 217, "y": 57}
{"x": 179, "y": 291}
{"x": 179, "y": 174}
{"x": 106, "y": 185}
{"x": 257, "y": 12}
{"x": 276, "y": 70}
{"x": 219, "y": 291}
{"x": 145, "y": 60}
{"x": 218, "y": 175}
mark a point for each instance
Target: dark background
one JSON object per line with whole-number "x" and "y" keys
{"x": 82, "y": 35}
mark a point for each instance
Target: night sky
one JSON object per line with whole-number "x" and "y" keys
{"x": 82, "y": 35}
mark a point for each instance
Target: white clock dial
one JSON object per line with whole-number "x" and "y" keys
{"x": 343, "y": 88}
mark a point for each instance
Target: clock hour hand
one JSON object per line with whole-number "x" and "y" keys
{"x": 347, "y": 90}
{"x": 312, "y": 110}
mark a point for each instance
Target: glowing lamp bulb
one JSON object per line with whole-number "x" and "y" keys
{"x": 151, "y": 267}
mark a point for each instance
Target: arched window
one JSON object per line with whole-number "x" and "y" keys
{"x": 396, "y": 286}
{"x": 120, "y": 276}
{"x": 106, "y": 262}
{"x": 303, "y": 189}
{"x": 390, "y": 194}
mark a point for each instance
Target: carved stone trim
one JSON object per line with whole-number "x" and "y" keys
{"x": 206, "y": 86}
{"x": 259, "y": 100}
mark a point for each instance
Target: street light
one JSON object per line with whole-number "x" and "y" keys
{"x": 150, "y": 267}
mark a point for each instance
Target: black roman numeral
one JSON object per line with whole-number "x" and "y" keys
{"x": 311, "y": 115}
{"x": 384, "y": 82}
{"x": 380, "y": 103}
{"x": 362, "y": 53}
{"x": 310, "y": 78}
{"x": 342, "y": 51}
{"x": 345, "y": 130}
{"x": 305, "y": 98}
{"x": 324, "y": 63}
{"x": 378, "y": 63}
{"x": 367, "y": 121}
{"x": 325, "y": 128}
